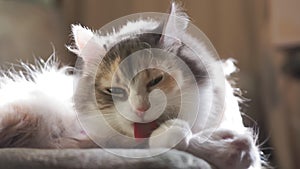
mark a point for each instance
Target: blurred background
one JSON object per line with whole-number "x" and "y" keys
{"x": 262, "y": 35}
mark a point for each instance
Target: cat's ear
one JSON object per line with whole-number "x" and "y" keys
{"x": 81, "y": 36}
{"x": 176, "y": 23}
{"x": 85, "y": 38}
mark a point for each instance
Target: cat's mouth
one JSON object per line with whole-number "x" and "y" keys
{"x": 144, "y": 130}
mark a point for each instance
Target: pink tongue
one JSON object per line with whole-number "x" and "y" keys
{"x": 144, "y": 130}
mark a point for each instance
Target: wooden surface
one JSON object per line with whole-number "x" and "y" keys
{"x": 280, "y": 90}
{"x": 285, "y": 22}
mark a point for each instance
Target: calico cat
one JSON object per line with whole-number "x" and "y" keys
{"x": 37, "y": 108}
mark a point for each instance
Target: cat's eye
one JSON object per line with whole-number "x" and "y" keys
{"x": 155, "y": 81}
{"x": 116, "y": 91}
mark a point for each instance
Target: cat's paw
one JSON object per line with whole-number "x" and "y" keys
{"x": 227, "y": 149}
{"x": 171, "y": 134}
{"x": 240, "y": 151}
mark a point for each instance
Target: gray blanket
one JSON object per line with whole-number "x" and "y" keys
{"x": 96, "y": 159}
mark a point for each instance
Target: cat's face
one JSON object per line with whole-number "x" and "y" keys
{"x": 128, "y": 93}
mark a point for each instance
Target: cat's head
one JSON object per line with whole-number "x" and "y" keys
{"x": 142, "y": 70}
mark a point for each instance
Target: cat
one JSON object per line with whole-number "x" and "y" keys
{"x": 37, "y": 108}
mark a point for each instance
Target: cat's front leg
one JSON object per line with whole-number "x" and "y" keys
{"x": 171, "y": 134}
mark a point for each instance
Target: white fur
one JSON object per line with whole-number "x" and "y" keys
{"x": 46, "y": 93}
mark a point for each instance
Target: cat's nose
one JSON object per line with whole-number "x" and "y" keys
{"x": 140, "y": 111}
